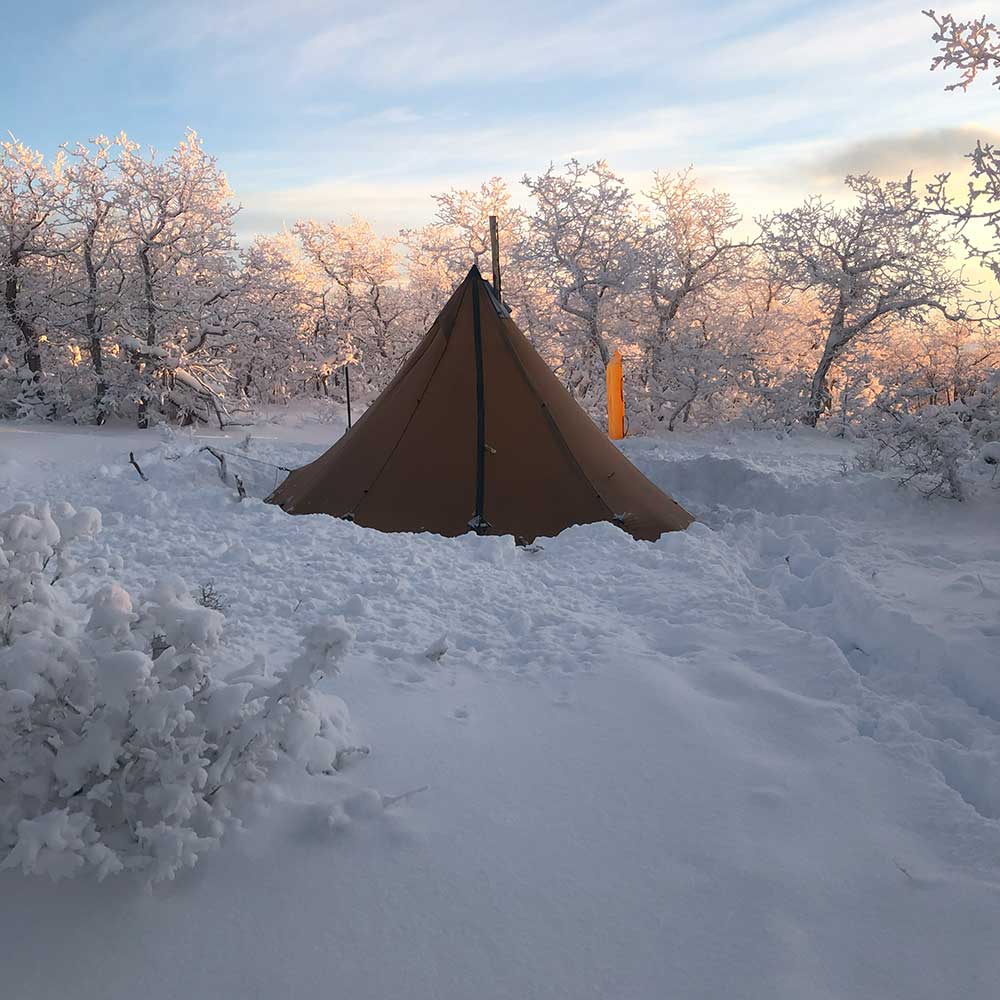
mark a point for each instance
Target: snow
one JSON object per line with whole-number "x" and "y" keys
{"x": 757, "y": 759}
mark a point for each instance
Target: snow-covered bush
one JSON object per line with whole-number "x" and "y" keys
{"x": 119, "y": 749}
{"x": 941, "y": 450}
{"x": 981, "y": 414}
{"x": 929, "y": 447}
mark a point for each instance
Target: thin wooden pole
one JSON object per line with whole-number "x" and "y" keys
{"x": 479, "y": 524}
{"x": 495, "y": 252}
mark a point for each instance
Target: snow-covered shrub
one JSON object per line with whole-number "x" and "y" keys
{"x": 981, "y": 414}
{"x": 209, "y": 597}
{"x": 119, "y": 749}
{"x": 941, "y": 450}
{"x": 929, "y": 446}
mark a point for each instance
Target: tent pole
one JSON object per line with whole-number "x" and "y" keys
{"x": 495, "y": 252}
{"x": 347, "y": 384}
{"x": 478, "y": 522}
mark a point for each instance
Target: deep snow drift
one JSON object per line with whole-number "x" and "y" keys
{"x": 757, "y": 759}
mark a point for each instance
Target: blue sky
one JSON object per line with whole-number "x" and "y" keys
{"x": 321, "y": 107}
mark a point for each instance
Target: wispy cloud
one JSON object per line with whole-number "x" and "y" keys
{"x": 422, "y": 45}
{"x": 312, "y": 103}
{"x": 183, "y": 25}
{"x": 822, "y": 37}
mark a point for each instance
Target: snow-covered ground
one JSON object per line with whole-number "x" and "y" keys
{"x": 757, "y": 759}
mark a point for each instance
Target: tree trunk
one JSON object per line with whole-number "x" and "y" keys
{"x": 147, "y": 291}
{"x": 94, "y": 333}
{"x": 29, "y": 336}
{"x": 101, "y": 393}
{"x": 836, "y": 339}
{"x": 819, "y": 394}
{"x": 595, "y": 336}
{"x": 680, "y": 411}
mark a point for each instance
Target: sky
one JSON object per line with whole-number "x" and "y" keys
{"x": 324, "y": 108}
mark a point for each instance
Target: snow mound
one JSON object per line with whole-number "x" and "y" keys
{"x": 713, "y": 485}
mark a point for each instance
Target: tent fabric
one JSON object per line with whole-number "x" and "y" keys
{"x": 413, "y": 461}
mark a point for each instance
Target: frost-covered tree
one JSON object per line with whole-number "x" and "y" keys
{"x": 125, "y": 292}
{"x": 774, "y": 348}
{"x": 357, "y": 303}
{"x": 584, "y": 242}
{"x": 971, "y": 47}
{"x": 459, "y": 235}
{"x": 940, "y": 363}
{"x": 438, "y": 255}
{"x": 95, "y": 244}
{"x": 31, "y": 193}
{"x": 882, "y": 260}
{"x": 689, "y": 245}
{"x": 937, "y": 417}
{"x": 178, "y": 215}
{"x": 273, "y": 353}
{"x": 691, "y": 260}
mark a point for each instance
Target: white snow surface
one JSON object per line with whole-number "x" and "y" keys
{"x": 756, "y": 759}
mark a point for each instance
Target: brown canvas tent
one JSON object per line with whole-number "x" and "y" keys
{"x": 476, "y": 433}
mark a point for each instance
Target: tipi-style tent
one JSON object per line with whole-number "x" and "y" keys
{"x": 475, "y": 433}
